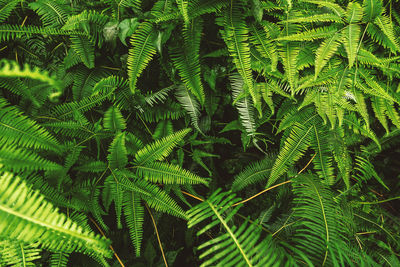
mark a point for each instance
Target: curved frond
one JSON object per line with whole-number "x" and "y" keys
{"x": 18, "y": 129}
{"x": 160, "y": 149}
{"x": 117, "y": 157}
{"x": 186, "y": 59}
{"x": 141, "y": 52}
{"x": 253, "y": 173}
{"x": 27, "y": 217}
{"x": 6, "y": 7}
{"x": 236, "y": 245}
{"x": 165, "y": 173}
{"x": 294, "y": 147}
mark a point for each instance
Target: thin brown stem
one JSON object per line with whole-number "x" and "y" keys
{"x": 259, "y": 193}
{"x": 158, "y": 237}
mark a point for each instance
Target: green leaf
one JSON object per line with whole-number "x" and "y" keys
{"x": 351, "y": 37}
{"x": 117, "y": 153}
{"x": 141, "y": 52}
{"x": 325, "y": 51}
{"x": 113, "y": 120}
{"x": 27, "y": 217}
{"x": 160, "y": 149}
{"x": 294, "y": 147}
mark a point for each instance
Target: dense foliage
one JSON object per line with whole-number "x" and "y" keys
{"x": 202, "y": 132}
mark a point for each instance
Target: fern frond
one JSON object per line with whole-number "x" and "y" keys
{"x": 183, "y": 8}
{"x": 379, "y": 108}
{"x": 325, "y": 17}
{"x": 294, "y": 147}
{"x": 11, "y": 32}
{"x": 322, "y": 160}
{"x": 165, "y": 173}
{"x": 186, "y": 59}
{"x": 11, "y": 69}
{"x": 59, "y": 259}
{"x": 325, "y": 51}
{"x": 84, "y": 81}
{"x": 15, "y": 159}
{"x": 134, "y": 216}
{"x": 52, "y": 13}
{"x": 354, "y": 13}
{"x": 236, "y": 245}
{"x": 254, "y": 173}
{"x": 18, "y": 129}
{"x": 14, "y": 253}
{"x": 117, "y": 157}
{"x": 113, "y": 120}
{"x": 351, "y": 37}
{"x": 27, "y": 217}
{"x": 152, "y": 194}
{"x": 84, "y": 48}
{"x": 236, "y": 39}
{"x": 335, "y": 8}
{"x": 319, "y": 229}
{"x": 387, "y": 28}
{"x": 160, "y": 149}
{"x": 310, "y": 35}
{"x": 116, "y": 191}
{"x": 102, "y": 91}
{"x": 141, "y": 52}
{"x": 267, "y": 48}
{"x": 372, "y": 9}
{"x": 6, "y": 7}
{"x": 243, "y": 104}
{"x": 190, "y": 104}
{"x": 289, "y": 53}
{"x": 159, "y": 96}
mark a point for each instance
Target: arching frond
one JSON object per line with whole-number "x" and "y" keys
{"x": 236, "y": 39}
{"x": 235, "y": 245}
{"x": 294, "y": 147}
{"x": 15, "y": 253}
{"x": 6, "y": 7}
{"x": 161, "y": 148}
{"x": 27, "y": 217}
{"x": 18, "y": 129}
{"x": 164, "y": 173}
{"x": 243, "y": 104}
{"x": 190, "y": 104}
{"x": 52, "y": 13}
{"x": 141, "y": 52}
{"x": 319, "y": 227}
{"x": 253, "y": 173}
{"x": 11, "y": 69}
{"x": 186, "y": 59}
{"x": 117, "y": 157}
{"x": 15, "y": 159}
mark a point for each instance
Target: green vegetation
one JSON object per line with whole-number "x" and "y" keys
{"x": 199, "y": 133}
